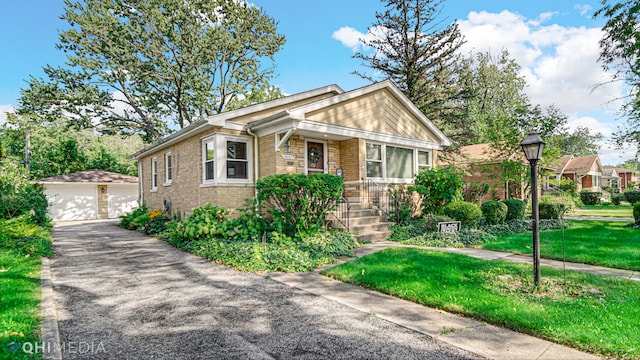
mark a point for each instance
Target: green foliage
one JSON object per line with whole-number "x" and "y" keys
{"x": 515, "y": 209}
{"x": 417, "y": 226}
{"x": 203, "y": 223}
{"x": 590, "y": 198}
{"x": 475, "y": 191}
{"x": 467, "y": 213}
{"x": 21, "y": 196}
{"x": 632, "y": 196}
{"x": 402, "y": 204}
{"x": 150, "y": 222}
{"x": 164, "y": 58}
{"x": 636, "y": 212}
{"x": 437, "y": 187}
{"x": 249, "y": 225}
{"x": 299, "y": 203}
{"x": 494, "y": 212}
{"x": 570, "y": 202}
{"x": 551, "y": 210}
{"x": 616, "y": 199}
{"x": 21, "y": 236}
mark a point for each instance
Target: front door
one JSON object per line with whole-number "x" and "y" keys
{"x": 315, "y": 157}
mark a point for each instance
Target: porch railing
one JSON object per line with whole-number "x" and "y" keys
{"x": 341, "y": 214}
{"x": 382, "y": 197}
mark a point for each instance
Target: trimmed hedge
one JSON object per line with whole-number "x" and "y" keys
{"x": 590, "y": 198}
{"x": 463, "y": 211}
{"x": 515, "y": 209}
{"x": 636, "y": 212}
{"x": 494, "y": 212}
{"x": 632, "y": 196}
{"x": 551, "y": 210}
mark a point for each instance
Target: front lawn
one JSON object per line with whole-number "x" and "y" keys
{"x": 592, "y": 313}
{"x": 604, "y": 243}
{"x": 613, "y": 211}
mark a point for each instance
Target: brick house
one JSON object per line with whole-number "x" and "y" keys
{"x": 625, "y": 176}
{"x": 373, "y": 132}
{"x": 586, "y": 171}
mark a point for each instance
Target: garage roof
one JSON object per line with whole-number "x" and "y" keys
{"x": 92, "y": 176}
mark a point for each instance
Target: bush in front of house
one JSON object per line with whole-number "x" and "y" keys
{"x": 590, "y": 197}
{"x": 494, "y": 212}
{"x": 551, "y": 210}
{"x": 515, "y": 209}
{"x": 21, "y": 196}
{"x": 632, "y": 196}
{"x": 475, "y": 191}
{"x": 438, "y": 187}
{"x": 636, "y": 212}
{"x": 299, "y": 203}
{"x": 616, "y": 199}
{"x": 150, "y": 222}
{"x": 467, "y": 213}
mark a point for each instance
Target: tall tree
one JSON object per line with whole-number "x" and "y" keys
{"x": 133, "y": 65}
{"x": 579, "y": 142}
{"x": 620, "y": 52}
{"x": 413, "y": 48}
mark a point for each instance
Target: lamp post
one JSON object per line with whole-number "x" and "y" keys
{"x": 532, "y": 145}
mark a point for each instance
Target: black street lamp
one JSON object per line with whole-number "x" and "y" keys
{"x": 532, "y": 145}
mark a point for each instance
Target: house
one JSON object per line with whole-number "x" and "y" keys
{"x": 485, "y": 163}
{"x": 627, "y": 177}
{"x": 90, "y": 194}
{"x": 371, "y": 133}
{"x": 610, "y": 178}
{"x": 586, "y": 171}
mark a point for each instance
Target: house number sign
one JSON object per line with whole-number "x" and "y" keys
{"x": 449, "y": 227}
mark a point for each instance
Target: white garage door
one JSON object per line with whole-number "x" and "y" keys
{"x": 72, "y": 201}
{"x": 122, "y": 199}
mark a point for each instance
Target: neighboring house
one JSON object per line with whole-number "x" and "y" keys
{"x": 626, "y": 176}
{"x": 371, "y": 133}
{"x": 610, "y": 178}
{"x": 483, "y": 163}
{"x": 586, "y": 171}
{"x": 90, "y": 194}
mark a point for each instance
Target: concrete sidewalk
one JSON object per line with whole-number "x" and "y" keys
{"x": 478, "y": 337}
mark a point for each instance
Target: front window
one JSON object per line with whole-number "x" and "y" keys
{"x": 399, "y": 163}
{"x": 208, "y": 159}
{"x": 237, "y": 161}
{"x": 168, "y": 159}
{"x": 374, "y": 160}
{"x": 154, "y": 173}
{"x": 424, "y": 160}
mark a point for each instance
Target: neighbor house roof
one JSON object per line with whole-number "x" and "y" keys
{"x": 578, "y": 165}
{"x": 620, "y": 170}
{"x": 91, "y": 176}
{"x": 483, "y": 154}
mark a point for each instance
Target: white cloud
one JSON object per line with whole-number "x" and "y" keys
{"x": 584, "y": 9}
{"x": 4, "y": 109}
{"x": 349, "y": 37}
{"x": 594, "y": 125}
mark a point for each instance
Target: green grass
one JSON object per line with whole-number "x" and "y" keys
{"x": 603, "y": 243}
{"x": 19, "y": 303}
{"x": 595, "y": 314}
{"x": 604, "y": 211}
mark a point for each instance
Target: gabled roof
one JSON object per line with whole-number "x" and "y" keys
{"x": 578, "y": 165}
{"x": 91, "y": 176}
{"x": 621, "y": 170}
{"x": 484, "y": 154}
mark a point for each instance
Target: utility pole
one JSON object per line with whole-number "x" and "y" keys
{"x": 27, "y": 153}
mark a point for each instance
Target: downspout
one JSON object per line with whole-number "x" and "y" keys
{"x": 255, "y": 161}
{"x": 140, "y": 186}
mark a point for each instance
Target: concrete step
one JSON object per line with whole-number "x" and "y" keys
{"x": 374, "y": 236}
{"x": 378, "y": 226}
{"x": 363, "y": 213}
{"x": 364, "y": 220}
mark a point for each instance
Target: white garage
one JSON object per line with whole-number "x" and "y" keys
{"x": 90, "y": 194}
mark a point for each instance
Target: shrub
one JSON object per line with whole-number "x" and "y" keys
{"x": 636, "y": 212}
{"x": 402, "y": 204}
{"x": 19, "y": 235}
{"x": 248, "y": 226}
{"x": 494, "y": 212}
{"x": 465, "y": 212}
{"x": 632, "y": 196}
{"x": 590, "y": 197}
{"x": 299, "y": 202}
{"x": 551, "y": 210}
{"x": 203, "y": 223}
{"x": 417, "y": 227}
{"x": 127, "y": 220}
{"x": 570, "y": 202}
{"x": 475, "y": 191}
{"x": 21, "y": 196}
{"x": 515, "y": 209}
{"x": 437, "y": 187}
{"x": 616, "y": 199}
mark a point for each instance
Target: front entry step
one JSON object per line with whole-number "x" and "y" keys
{"x": 367, "y": 224}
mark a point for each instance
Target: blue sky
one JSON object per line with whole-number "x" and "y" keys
{"x": 555, "y": 42}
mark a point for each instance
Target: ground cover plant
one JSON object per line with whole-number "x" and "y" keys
{"x": 604, "y": 243}
{"x": 592, "y": 313}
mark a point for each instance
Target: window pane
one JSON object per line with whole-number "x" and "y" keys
{"x": 208, "y": 170}
{"x": 236, "y": 150}
{"x": 209, "y": 150}
{"x": 169, "y": 175}
{"x": 399, "y": 163}
{"x": 374, "y": 169}
{"x": 423, "y": 157}
{"x": 374, "y": 152}
{"x": 237, "y": 169}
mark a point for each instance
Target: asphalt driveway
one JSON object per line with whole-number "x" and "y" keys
{"x": 122, "y": 295}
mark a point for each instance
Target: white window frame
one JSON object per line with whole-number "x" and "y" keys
{"x": 415, "y": 164}
{"x": 219, "y": 141}
{"x": 382, "y": 160}
{"x": 154, "y": 174}
{"x": 168, "y": 168}
{"x": 429, "y": 159}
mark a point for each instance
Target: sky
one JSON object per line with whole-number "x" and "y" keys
{"x": 554, "y": 41}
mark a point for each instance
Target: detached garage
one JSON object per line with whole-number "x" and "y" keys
{"x": 90, "y": 194}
